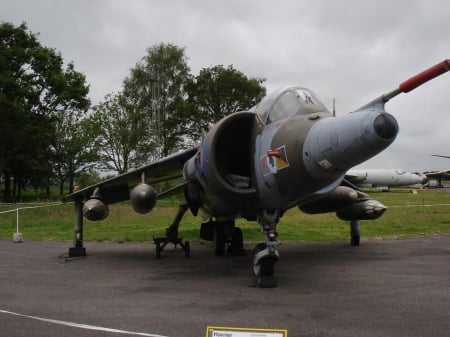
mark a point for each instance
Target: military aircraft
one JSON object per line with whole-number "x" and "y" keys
{"x": 384, "y": 178}
{"x": 439, "y": 175}
{"x": 287, "y": 151}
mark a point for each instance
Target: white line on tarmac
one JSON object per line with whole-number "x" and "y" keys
{"x": 81, "y": 326}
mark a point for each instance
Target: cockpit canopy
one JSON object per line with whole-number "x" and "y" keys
{"x": 288, "y": 102}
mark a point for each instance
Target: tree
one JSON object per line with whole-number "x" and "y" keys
{"x": 88, "y": 178}
{"x": 163, "y": 108}
{"x": 217, "y": 92}
{"x": 157, "y": 85}
{"x": 75, "y": 150}
{"x": 34, "y": 91}
{"x": 122, "y": 133}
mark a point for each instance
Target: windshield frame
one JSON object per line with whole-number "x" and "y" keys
{"x": 279, "y": 104}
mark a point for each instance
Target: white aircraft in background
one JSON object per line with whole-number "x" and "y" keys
{"x": 384, "y": 178}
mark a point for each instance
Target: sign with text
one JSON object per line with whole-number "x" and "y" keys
{"x": 217, "y": 331}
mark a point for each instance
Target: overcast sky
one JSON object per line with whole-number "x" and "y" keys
{"x": 350, "y": 50}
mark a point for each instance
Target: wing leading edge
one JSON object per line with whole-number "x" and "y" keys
{"x": 118, "y": 188}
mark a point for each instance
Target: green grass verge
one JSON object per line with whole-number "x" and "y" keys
{"x": 408, "y": 214}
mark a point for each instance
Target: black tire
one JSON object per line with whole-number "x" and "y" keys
{"x": 158, "y": 249}
{"x": 187, "y": 249}
{"x": 237, "y": 242}
{"x": 267, "y": 267}
{"x": 219, "y": 240}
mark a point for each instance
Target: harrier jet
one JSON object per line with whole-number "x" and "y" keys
{"x": 288, "y": 151}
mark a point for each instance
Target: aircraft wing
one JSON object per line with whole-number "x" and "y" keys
{"x": 118, "y": 188}
{"x": 438, "y": 174}
{"x": 355, "y": 176}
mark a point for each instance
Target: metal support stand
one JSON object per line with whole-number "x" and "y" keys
{"x": 172, "y": 234}
{"x": 78, "y": 250}
{"x": 354, "y": 233}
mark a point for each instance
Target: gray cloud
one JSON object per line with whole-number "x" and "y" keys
{"x": 350, "y": 50}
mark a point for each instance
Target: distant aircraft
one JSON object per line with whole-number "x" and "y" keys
{"x": 384, "y": 178}
{"x": 287, "y": 151}
{"x": 439, "y": 175}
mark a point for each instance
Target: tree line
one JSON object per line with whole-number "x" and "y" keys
{"x": 51, "y": 134}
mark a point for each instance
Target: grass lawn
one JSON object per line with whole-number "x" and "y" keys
{"x": 408, "y": 214}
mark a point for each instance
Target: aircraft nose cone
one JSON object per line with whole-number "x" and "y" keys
{"x": 375, "y": 209}
{"x": 368, "y": 209}
{"x": 385, "y": 126}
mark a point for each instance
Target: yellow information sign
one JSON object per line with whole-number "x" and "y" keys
{"x": 219, "y": 331}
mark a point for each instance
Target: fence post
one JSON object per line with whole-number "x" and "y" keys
{"x": 17, "y": 237}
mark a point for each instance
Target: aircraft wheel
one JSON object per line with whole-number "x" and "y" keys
{"x": 187, "y": 249}
{"x": 237, "y": 242}
{"x": 237, "y": 238}
{"x": 265, "y": 269}
{"x": 158, "y": 249}
{"x": 219, "y": 240}
{"x": 266, "y": 277}
{"x": 257, "y": 268}
{"x": 259, "y": 247}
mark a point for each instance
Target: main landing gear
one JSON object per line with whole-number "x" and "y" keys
{"x": 225, "y": 236}
{"x": 172, "y": 235}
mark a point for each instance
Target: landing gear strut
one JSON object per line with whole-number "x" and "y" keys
{"x": 78, "y": 250}
{"x": 172, "y": 235}
{"x": 266, "y": 254}
{"x": 227, "y": 238}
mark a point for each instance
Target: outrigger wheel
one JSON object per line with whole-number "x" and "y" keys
{"x": 161, "y": 243}
{"x": 172, "y": 235}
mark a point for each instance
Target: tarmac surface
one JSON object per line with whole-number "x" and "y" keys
{"x": 382, "y": 288}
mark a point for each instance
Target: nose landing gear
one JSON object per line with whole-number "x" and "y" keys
{"x": 266, "y": 254}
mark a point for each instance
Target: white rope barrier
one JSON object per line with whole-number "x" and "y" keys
{"x": 419, "y": 205}
{"x": 29, "y": 207}
{"x": 17, "y": 236}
